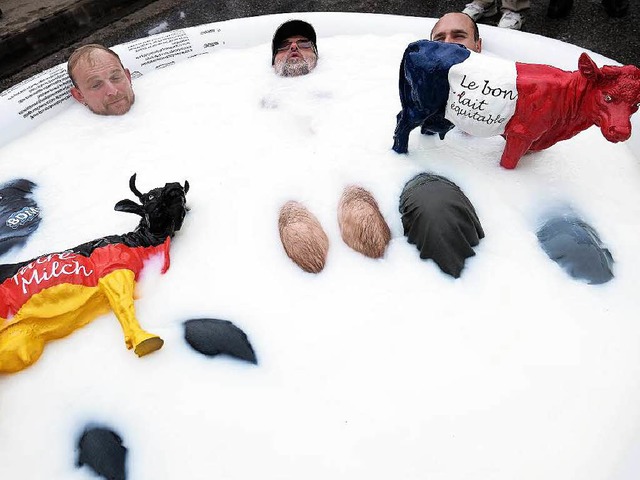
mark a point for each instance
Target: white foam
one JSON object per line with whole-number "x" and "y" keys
{"x": 371, "y": 369}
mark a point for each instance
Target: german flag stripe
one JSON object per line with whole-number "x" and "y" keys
{"x": 72, "y": 268}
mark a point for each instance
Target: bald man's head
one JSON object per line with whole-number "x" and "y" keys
{"x": 458, "y": 28}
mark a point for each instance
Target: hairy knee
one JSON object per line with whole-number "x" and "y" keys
{"x": 302, "y": 237}
{"x": 362, "y": 226}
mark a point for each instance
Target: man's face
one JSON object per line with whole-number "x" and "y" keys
{"x": 456, "y": 28}
{"x": 102, "y": 84}
{"x": 295, "y": 56}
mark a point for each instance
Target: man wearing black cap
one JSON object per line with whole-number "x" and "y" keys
{"x": 294, "y": 50}
{"x": 362, "y": 226}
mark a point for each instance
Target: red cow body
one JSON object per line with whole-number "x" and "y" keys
{"x": 555, "y": 105}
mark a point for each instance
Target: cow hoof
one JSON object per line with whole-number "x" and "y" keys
{"x": 149, "y": 345}
{"x": 400, "y": 147}
{"x": 508, "y": 164}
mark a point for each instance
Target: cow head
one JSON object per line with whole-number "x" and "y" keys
{"x": 162, "y": 209}
{"x": 614, "y": 96}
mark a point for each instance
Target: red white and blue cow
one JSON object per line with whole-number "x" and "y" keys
{"x": 532, "y": 106}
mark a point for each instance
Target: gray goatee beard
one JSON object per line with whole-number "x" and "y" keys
{"x": 292, "y": 67}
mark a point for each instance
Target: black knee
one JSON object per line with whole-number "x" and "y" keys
{"x": 576, "y": 247}
{"x": 440, "y": 220}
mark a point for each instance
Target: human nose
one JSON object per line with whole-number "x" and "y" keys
{"x": 293, "y": 46}
{"x": 110, "y": 88}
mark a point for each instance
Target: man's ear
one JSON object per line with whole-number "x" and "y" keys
{"x": 77, "y": 94}
{"x": 128, "y": 74}
{"x": 479, "y": 46}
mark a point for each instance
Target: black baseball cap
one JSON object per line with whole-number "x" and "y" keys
{"x": 290, "y": 29}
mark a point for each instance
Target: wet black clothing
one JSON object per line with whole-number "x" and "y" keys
{"x": 440, "y": 220}
{"x": 19, "y": 213}
{"x": 576, "y": 247}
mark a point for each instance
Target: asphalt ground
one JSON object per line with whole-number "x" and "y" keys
{"x": 39, "y": 34}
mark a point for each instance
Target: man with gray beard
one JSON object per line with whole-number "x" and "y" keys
{"x": 362, "y": 226}
{"x": 294, "y": 50}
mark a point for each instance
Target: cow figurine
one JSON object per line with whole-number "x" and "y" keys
{"x": 531, "y": 106}
{"x": 51, "y": 296}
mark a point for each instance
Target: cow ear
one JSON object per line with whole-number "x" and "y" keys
{"x": 129, "y": 206}
{"x": 588, "y": 68}
{"x": 186, "y": 186}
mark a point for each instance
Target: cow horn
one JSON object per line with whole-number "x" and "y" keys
{"x": 132, "y": 186}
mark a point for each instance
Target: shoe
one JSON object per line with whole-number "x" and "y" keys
{"x": 512, "y": 20}
{"x": 477, "y": 10}
{"x": 616, "y": 8}
{"x": 559, "y": 8}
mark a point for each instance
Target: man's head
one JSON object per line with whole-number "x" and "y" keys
{"x": 458, "y": 28}
{"x": 100, "y": 81}
{"x": 293, "y": 48}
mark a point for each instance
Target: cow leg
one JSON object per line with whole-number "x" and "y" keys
{"x": 406, "y": 122}
{"x": 513, "y": 151}
{"x": 20, "y": 346}
{"x": 118, "y": 287}
{"x": 425, "y": 129}
{"x": 23, "y": 339}
{"x": 436, "y": 124}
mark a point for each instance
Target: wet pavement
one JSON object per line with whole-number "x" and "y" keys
{"x": 38, "y": 34}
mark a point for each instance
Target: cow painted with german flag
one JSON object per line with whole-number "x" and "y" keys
{"x": 51, "y": 296}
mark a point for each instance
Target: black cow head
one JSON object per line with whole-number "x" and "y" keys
{"x": 162, "y": 210}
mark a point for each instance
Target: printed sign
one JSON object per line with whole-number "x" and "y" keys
{"x": 482, "y": 95}
{"x": 42, "y": 96}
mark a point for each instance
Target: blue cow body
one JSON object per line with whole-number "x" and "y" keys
{"x": 424, "y": 88}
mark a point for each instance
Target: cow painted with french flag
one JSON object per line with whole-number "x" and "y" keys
{"x": 532, "y": 106}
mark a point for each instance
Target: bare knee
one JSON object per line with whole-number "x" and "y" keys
{"x": 362, "y": 226}
{"x": 303, "y": 238}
